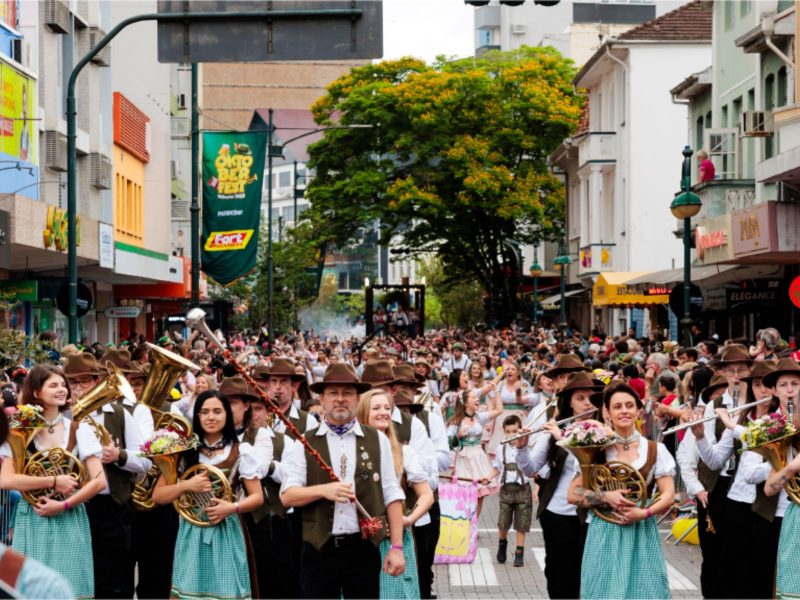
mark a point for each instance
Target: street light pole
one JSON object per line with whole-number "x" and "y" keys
{"x": 561, "y": 262}
{"x": 685, "y": 206}
{"x": 271, "y": 325}
{"x": 536, "y": 272}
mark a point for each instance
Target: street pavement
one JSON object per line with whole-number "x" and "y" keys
{"x": 485, "y": 578}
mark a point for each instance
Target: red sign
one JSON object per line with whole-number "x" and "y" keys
{"x": 794, "y": 292}
{"x": 713, "y": 239}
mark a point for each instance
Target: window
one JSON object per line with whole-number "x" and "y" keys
{"x": 751, "y": 99}
{"x": 781, "y": 98}
{"x": 721, "y": 147}
{"x": 699, "y": 133}
{"x": 343, "y": 280}
{"x": 769, "y": 104}
{"x": 723, "y": 120}
{"x": 284, "y": 179}
{"x": 737, "y": 111}
{"x": 484, "y": 37}
{"x": 727, "y": 8}
{"x": 744, "y": 7}
{"x": 128, "y": 211}
{"x": 708, "y": 120}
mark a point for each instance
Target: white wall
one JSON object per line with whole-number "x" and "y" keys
{"x": 656, "y": 132}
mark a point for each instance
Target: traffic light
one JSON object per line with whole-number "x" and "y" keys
{"x": 512, "y": 2}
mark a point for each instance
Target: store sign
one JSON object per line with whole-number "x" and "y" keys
{"x": 765, "y": 295}
{"x": 106, "y": 238}
{"x": 84, "y": 303}
{"x": 55, "y": 231}
{"x": 17, "y": 291}
{"x": 656, "y": 291}
{"x": 794, "y": 291}
{"x": 715, "y": 299}
{"x": 711, "y": 239}
{"x": 755, "y": 230}
{"x": 18, "y": 123}
{"x": 122, "y": 312}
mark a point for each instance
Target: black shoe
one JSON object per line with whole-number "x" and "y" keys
{"x": 501, "y": 551}
{"x": 519, "y": 557}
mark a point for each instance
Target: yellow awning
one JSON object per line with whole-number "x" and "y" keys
{"x": 612, "y": 289}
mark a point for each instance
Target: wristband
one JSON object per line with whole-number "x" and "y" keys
{"x": 66, "y": 505}
{"x": 396, "y": 547}
{"x": 237, "y": 508}
{"x": 649, "y": 512}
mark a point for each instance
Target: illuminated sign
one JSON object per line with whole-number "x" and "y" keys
{"x": 55, "y": 232}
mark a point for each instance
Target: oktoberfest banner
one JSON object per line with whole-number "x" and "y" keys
{"x": 232, "y": 162}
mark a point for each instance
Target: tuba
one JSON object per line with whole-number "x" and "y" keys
{"x": 776, "y": 452}
{"x": 609, "y": 476}
{"x": 112, "y": 387}
{"x": 167, "y": 367}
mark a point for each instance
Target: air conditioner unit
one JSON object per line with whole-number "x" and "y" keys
{"x": 519, "y": 29}
{"x": 54, "y": 150}
{"x": 180, "y": 210}
{"x": 788, "y": 192}
{"x": 756, "y": 123}
{"x": 56, "y": 16}
{"x": 102, "y": 58}
{"x": 100, "y": 166}
{"x": 180, "y": 127}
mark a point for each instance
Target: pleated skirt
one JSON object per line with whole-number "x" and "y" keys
{"x": 787, "y": 583}
{"x": 405, "y": 586}
{"x": 623, "y": 561}
{"x": 211, "y": 562}
{"x": 62, "y": 542}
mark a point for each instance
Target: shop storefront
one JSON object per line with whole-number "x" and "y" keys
{"x": 613, "y": 297}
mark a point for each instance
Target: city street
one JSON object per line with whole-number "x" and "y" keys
{"x": 485, "y": 578}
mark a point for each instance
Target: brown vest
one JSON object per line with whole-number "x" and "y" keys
{"x": 301, "y": 422}
{"x": 120, "y": 483}
{"x": 403, "y": 428}
{"x": 423, "y": 416}
{"x": 318, "y": 516}
{"x": 706, "y": 476}
{"x": 765, "y": 506}
{"x": 547, "y": 487}
{"x": 269, "y": 487}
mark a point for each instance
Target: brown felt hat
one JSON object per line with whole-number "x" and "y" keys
{"x": 581, "y": 380}
{"x": 404, "y": 398}
{"x": 377, "y": 373}
{"x": 566, "y": 363}
{"x": 283, "y": 367}
{"x": 786, "y": 366}
{"x": 237, "y": 386}
{"x": 340, "y": 374}
{"x": 718, "y": 381}
{"x": 759, "y": 370}
{"x": 121, "y": 358}
{"x": 406, "y": 374}
{"x": 82, "y": 363}
{"x": 735, "y": 353}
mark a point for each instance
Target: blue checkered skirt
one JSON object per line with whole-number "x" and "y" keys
{"x": 623, "y": 561}
{"x": 787, "y": 584}
{"x": 211, "y": 562}
{"x": 62, "y": 542}
{"x": 405, "y": 586}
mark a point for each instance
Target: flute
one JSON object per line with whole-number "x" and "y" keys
{"x": 543, "y": 427}
{"x": 715, "y": 416}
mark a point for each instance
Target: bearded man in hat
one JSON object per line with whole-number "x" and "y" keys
{"x": 281, "y": 382}
{"x": 337, "y": 561}
{"x": 111, "y": 511}
{"x": 565, "y": 364}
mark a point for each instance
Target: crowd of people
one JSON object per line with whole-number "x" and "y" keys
{"x": 334, "y": 450}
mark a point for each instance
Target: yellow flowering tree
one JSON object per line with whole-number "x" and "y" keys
{"x": 455, "y": 163}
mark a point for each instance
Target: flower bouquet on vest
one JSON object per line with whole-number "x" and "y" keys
{"x": 24, "y": 422}
{"x": 165, "y": 447}
{"x": 585, "y": 439}
{"x": 770, "y": 436}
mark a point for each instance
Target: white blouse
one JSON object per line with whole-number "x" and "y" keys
{"x": 251, "y": 461}
{"x": 415, "y": 472}
{"x": 88, "y": 444}
{"x": 756, "y": 470}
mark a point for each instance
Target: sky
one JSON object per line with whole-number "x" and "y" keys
{"x": 427, "y": 28}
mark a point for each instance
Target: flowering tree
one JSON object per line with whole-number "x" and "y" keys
{"x": 455, "y": 164}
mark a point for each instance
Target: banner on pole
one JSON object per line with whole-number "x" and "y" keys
{"x": 232, "y": 162}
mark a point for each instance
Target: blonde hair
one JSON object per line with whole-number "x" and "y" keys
{"x": 362, "y": 414}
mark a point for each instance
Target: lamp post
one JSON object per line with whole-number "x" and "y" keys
{"x": 536, "y": 272}
{"x": 685, "y": 206}
{"x": 561, "y": 262}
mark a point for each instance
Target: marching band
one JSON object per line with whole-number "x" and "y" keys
{"x": 239, "y": 493}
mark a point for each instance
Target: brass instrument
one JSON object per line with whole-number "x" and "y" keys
{"x": 541, "y": 428}
{"x": 777, "y": 454}
{"x": 49, "y": 463}
{"x": 611, "y": 476}
{"x": 167, "y": 367}
{"x": 714, "y": 417}
{"x": 112, "y": 387}
{"x": 425, "y": 399}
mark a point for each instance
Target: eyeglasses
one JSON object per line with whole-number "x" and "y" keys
{"x": 738, "y": 372}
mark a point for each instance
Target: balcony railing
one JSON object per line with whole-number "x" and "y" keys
{"x": 596, "y": 258}
{"x": 597, "y": 146}
{"x": 723, "y": 196}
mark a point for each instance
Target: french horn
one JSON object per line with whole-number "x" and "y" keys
{"x": 776, "y": 452}
{"x": 607, "y": 477}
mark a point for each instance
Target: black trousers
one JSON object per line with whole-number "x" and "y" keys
{"x": 564, "y": 538}
{"x": 154, "y": 535}
{"x": 712, "y": 574}
{"x": 426, "y": 537}
{"x": 110, "y": 525}
{"x": 346, "y": 567}
{"x": 275, "y": 561}
{"x": 765, "y": 556}
{"x": 736, "y": 536}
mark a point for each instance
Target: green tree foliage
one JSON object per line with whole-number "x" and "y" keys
{"x": 448, "y": 302}
{"x": 16, "y": 349}
{"x": 456, "y": 163}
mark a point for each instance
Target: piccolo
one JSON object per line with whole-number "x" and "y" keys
{"x": 542, "y": 412}
{"x": 541, "y": 428}
{"x": 715, "y": 416}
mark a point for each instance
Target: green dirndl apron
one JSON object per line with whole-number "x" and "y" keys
{"x": 787, "y": 583}
{"x": 623, "y": 561}
{"x": 405, "y": 586}
{"x": 62, "y": 542}
{"x": 211, "y": 562}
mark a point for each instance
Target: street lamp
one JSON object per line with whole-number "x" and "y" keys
{"x": 561, "y": 262}
{"x": 685, "y": 206}
{"x": 536, "y": 272}
{"x": 276, "y": 151}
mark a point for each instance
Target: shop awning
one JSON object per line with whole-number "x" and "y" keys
{"x": 670, "y": 276}
{"x": 617, "y": 290}
{"x": 556, "y": 298}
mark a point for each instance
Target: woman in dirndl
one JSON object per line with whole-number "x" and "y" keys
{"x": 515, "y": 396}
{"x": 56, "y": 531}
{"x": 211, "y": 562}
{"x": 624, "y": 559}
{"x": 375, "y": 409}
{"x": 464, "y": 431}
{"x": 785, "y": 381}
